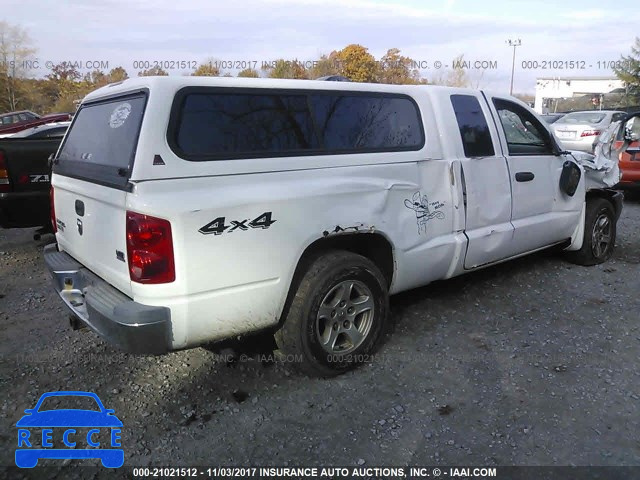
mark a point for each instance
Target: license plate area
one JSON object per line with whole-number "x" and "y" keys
{"x": 566, "y": 134}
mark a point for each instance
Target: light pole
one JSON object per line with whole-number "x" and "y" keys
{"x": 514, "y": 44}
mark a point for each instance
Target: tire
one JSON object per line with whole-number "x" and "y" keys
{"x": 599, "y": 234}
{"x": 338, "y": 316}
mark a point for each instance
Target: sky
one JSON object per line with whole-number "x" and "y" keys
{"x": 135, "y": 34}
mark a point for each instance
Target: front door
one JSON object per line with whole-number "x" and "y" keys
{"x": 541, "y": 213}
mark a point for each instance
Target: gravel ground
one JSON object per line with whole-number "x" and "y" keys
{"x": 533, "y": 362}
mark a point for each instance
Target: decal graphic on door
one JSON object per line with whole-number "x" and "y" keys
{"x": 420, "y": 205}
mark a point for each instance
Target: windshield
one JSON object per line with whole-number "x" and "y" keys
{"x": 26, "y": 133}
{"x": 582, "y": 117}
{"x": 105, "y": 133}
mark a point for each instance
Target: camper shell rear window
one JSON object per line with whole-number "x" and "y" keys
{"x": 102, "y": 140}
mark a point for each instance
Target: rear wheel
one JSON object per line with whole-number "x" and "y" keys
{"x": 338, "y": 315}
{"x": 599, "y": 234}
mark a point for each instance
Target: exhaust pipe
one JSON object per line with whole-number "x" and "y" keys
{"x": 76, "y": 323}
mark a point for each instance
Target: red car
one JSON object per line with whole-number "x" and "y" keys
{"x": 16, "y": 121}
{"x": 629, "y": 158}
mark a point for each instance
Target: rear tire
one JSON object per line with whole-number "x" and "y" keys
{"x": 599, "y": 234}
{"x": 338, "y": 315}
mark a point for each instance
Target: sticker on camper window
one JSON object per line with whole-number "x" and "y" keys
{"x": 119, "y": 115}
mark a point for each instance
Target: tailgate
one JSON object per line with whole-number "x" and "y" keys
{"x": 91, "y": 221}
{"x": 90, "y": 184}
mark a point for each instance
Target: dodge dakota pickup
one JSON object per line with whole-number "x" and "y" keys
{"x": 192, "y": 209}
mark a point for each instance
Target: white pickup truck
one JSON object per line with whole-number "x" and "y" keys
{"x": 190, "y": 210}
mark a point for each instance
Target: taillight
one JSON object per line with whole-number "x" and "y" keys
{"x": 5, "y": 183}
{"x": 590, "y": 133}
{"x": 149, "y": 249}
{"x": 52, "y": 211}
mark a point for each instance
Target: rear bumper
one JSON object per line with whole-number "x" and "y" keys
{"x": 133, "y": 327}
{"x": 24, "y": 209}
{"x": 584, "y": 145}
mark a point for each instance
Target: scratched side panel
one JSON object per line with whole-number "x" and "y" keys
{"x": 431, "y": 244}
{"x": 233, "y": 280}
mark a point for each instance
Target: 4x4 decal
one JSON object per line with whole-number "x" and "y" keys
{"x": 218, "y": 226}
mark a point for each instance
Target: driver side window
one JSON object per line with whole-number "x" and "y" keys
{"x": 524, "y": 134}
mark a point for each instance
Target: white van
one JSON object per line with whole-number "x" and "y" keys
{"x": 190, "y": 209}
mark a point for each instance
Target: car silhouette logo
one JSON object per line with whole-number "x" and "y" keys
{"x": 66, "y": 422}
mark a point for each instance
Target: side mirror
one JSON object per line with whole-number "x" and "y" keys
{"x": 29, "y": 411}
{"x": 570, "y": 178}
{"x": 109, "y": 411}
{"x": 632, "y": 129}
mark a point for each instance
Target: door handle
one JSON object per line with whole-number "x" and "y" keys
{"x": 524, "y": 176}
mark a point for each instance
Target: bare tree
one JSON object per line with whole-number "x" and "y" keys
{"x": 476, "y": 79}
{"x": 456, "y": 76}
{"x": 16, "y": 56}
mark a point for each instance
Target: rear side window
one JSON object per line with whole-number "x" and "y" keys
{"x": 210, "y": 124}
{"x": 237, "y": 123}
{"x": 474, "y": 131}
{"x": 361, "y": 123}
{"x": 583, "y": 118}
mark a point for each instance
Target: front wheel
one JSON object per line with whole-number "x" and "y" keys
{"x": 338, "y": 315}
{"x": 599, "y": 234}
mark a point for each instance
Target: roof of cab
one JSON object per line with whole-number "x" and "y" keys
{"x": 168, "y": 83}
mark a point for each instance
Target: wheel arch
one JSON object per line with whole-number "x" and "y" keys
{"x": 375, "y": 246}
{"x": 613, "y": 196}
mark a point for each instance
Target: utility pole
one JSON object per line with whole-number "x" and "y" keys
{"x": 514, "y": 44}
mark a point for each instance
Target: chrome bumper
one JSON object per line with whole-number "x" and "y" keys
{"x": 131, "y": 326}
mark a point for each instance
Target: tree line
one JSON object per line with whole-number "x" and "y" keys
{"x": 64, "y": 85}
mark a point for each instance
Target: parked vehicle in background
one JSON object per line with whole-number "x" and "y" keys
{"x": 627, "y": 140}
{"x": 577, "y": 130}
{"x": 620, "y": 143}
{"x": 195, "y": 209}
{"x": 552, "y": 117}
{"x": 14, "y": 118}
{"x": 25, "y": 178}
{"x": 49, "y": 130}
{"x": 15, "y": 121}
